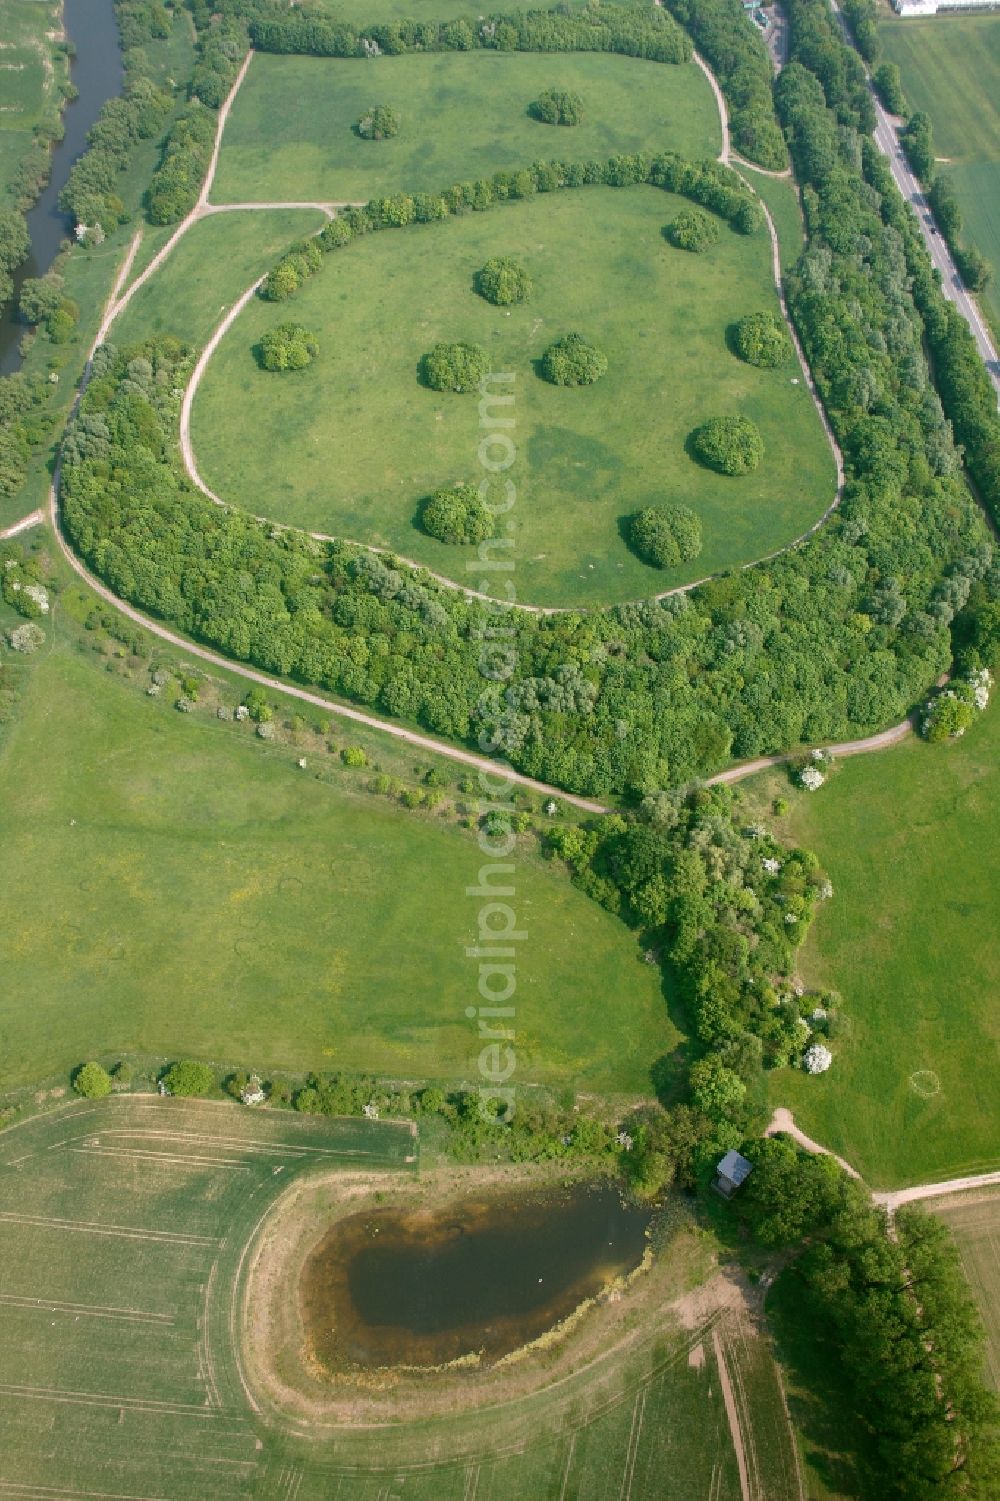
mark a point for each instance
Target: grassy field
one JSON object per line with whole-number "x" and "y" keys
{"x": 462, "y": 115}
{"x": 910, "y": 839}
{"x": 950, "y": 67}
{"x": 182, "y": 891}
{"x": 31, "y": 71}
{"x": 351, "y": 445}
{"x": 215, "y": 261}
{"x": 122, "y": 1233}
{"x": 974, "y": 1221}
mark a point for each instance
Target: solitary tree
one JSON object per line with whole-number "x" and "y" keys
{"x": 572, "y": 361}
{"x": 557, "y": 107}
{"x": 692, "y": 230}
{"x": 288, "y": 347}
{"x": 665, "y": 535}
{"x": 92, "y": 1082}
{"x": 454, "y": 367}
{"x": 457, "y": 515}
{"x": 378, "y": 123}
{"x": 761, "y": 340}
{"x": 730, "y": 445}
{"x": 189, "y": 1078}
{"x": 503, "y": 282}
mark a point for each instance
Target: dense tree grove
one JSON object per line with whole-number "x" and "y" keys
{"x": 762, "y": 340}
{"x": 14, "y": 245}
{"x": 379, "y": 123}
{"x": 889, "y": 86}
{"x": 457, "y": 515}
{"x": 24, "y": 423}
{"x": 289, "y": 346}
{"x": 503, "y": 282}
{"x": 557, "y": 107}
{"x": 917, "y": 137}
{"x": 187, "y": 150}
{"x": 693, "y": 230}
{"x": 665, "y": 535}
{"x": 893, "y": 1315}
{"x": 454, "y": 367}
{"x": 651, "y": 34}
{"x": 730, "y": 445}
{"x": 862, "y": 19}
{"x": 573, "y": 361}
{"x": 736, "y": 52}
{"x": 90, "y": 193}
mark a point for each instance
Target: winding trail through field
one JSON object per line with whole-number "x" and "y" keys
{"x": 782, "y": 1123}
{"x": 24, "y": 525}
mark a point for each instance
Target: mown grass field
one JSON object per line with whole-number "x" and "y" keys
{"x": 974, "y": 1221}
{"x": 123, "y": 1227}
{"x": 950, "y": 66}
{"x": 910, "y": 839}
{"x": 351, "y": 445}
{"x": 182, "y": 892}
{"x": 462, "y": 115}
{"x": 210, "y": 266}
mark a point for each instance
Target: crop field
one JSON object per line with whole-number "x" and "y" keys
{"x": 910, "y": 840}
{"x": 207, "y": 270}
{"x": 181, "y": 891}
{"x": 974, "y": 1221}
{"x": 950, "y": 67}
{"x": 351, "y": 445}
{"x": 123, "y": 1230}
{"x": 462, "y": 115}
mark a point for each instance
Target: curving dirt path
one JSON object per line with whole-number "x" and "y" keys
{"x": 882, "y": 741}
{"x": 783, "y": 1122}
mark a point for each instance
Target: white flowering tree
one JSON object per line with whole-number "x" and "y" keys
{"x": 817, "y": 1059}
{"x": 811, "y": 778}
{"x": 947, "y": 715}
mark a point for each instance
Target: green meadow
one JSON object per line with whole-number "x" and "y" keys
{"x": 351, "y": 445}
{"x": 291, "y": 135}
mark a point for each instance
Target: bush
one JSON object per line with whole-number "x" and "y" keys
{"x": 665, "y": 535}
{"x": 457, "y": 515}
{"x": 918, "y": 143}
{"x": 571, "y": 361}
{"x": 503, "y": 282}
{"x": 288, "y": 347}
{"x": 378, "y": 123}
{"x": 761, "y": 340}
{"x": 92, "y": 1082}
{"x": 692, "y": 230}
{"x": 889, "y": 87}
{"x": 189, "y": 1078}
{"x": 454, "y": 367}
{"x": 730, "y": 445}
{"x": 557, "y": 107}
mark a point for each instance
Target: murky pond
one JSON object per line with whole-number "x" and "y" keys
{"x": 415, "y": 1287}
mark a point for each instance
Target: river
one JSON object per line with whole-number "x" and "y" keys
{"x": 97, "y": 73}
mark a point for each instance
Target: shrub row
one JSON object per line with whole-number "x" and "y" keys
{"x": 137, "y": 115}
{"x": 735, "y": 50}
{"x": 650, "y": 34}
{"x": 187, "y": 151}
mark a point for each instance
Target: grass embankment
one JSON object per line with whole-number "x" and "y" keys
{"x": 910, "y": 839}
{"x": 183, "y": 890}
{"x": 950, "y": 67}
{"x": 351, "y": 445}
{"x": 291, "y": 135}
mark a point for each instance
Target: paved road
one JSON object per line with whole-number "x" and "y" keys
{"x": 951, "y": 283}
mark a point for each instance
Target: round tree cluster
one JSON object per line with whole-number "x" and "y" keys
{"x": 457, "y": 515}
{"x": 692, "y": 230}
{"x": 730, "y": 445}
{"x": 503, "y": 282}
{"x": 378, "y": 123}
{"x": 572, "y": 361}
{"x": 557, "y": 107}
{"x": 288, "y": 347}
{"x": 761, "y": 340}
{"x": 665, "y": 535}
{"x": 454, "y": 367}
